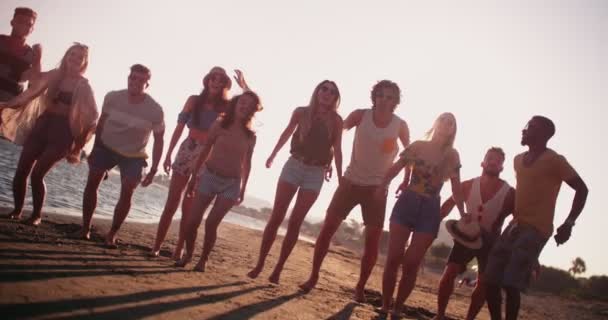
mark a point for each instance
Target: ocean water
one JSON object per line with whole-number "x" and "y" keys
{"x": 65, "y": 185}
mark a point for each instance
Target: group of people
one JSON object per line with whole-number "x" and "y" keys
{"x": 57, "y": 115}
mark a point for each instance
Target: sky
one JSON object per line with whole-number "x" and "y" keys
{"x": 494, "y": 64}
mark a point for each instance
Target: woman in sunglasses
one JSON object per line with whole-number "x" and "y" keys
{"x": 53, "y": 119}
{"x": 316, "y": 138}
{"x": 199, "y": 113}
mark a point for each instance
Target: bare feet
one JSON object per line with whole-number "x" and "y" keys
{"x": 177, "y": 254}
{"x": 274, "y": 277}
{"x": 111, "y": 241}
{"x": 309, "y": 284}
{"x": 33, "y": 221}
{"x": 200, "y": 266}
{"x": 14, "y": 215}
{"x": 255, "y": 272}
{"x": 183, "y": 261}
{"x": 360, "y": 295}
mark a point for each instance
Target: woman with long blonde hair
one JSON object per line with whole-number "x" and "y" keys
{"x": 53, "y": 119}
{"x": 316, "y": 137}
{"x": 417, "y": 211}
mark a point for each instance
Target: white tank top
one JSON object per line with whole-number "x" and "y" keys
{"x": 374, "y": 150}
{"x": 487, "y": 213}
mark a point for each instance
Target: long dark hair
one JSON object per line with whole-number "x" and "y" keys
{"x": 218, "y": 102}
{"x": 229, "y": 116}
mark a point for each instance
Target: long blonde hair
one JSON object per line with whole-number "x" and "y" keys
{"x": 448, "y": 144}
{"x": 313, "y": 107}
{"x": 53, "y": 86}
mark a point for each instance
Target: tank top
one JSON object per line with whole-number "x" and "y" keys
{"x": 199, "y": 118}
{"x": 316, "y": 148}
{"x": 487, "y": 212}
{"x": 374, "y": 150}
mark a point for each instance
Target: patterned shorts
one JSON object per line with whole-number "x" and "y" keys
{"x": 186, "y": 156}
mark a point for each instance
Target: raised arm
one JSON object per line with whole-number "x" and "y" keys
{"x": 33, "y": 73}
{"x": 291, "y": 127}
{"x": 177, "y": 132}
{"x": 239, "y": 77}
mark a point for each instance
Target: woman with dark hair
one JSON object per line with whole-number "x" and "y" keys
{"x": 227, "y": 156}
{"x": 53, "y": 119}
{"x": 199, "y": 113}
{"x": 316, "y": 137}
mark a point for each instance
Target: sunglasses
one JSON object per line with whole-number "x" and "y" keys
{"x": 329, "y": 89}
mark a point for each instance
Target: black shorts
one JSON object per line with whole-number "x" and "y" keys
{"x": 462, "y": 255}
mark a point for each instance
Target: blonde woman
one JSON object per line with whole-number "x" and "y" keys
{"x": 62, "y": 109}
{"x": 416, "y": 212}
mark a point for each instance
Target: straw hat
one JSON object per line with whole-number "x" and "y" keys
{"x": 219, "y": 71}
{"x": 466, "y": 233}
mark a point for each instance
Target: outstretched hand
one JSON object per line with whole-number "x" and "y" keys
{"x": 563, "y": 234}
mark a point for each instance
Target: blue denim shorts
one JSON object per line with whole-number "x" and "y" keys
{"x": 301, "y": 175}
{"x": 103, "y": 158}
{"x": 514, "y": 256}
{"x": 418, "y": 212}
{"x": 212, "y": 184}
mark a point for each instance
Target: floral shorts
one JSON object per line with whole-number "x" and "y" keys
{"x": 186, "y": 156}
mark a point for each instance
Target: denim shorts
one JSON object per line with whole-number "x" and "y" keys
{"x": 514, "y": 256}
{"x": 103, "y": 158}
{"x": 301, "y": 175}
{"x": 213, "y": 184}
{"x": 418, "y": 212}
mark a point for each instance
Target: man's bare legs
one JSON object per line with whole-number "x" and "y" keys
{"x": 330, "y": 226}
{"x": 217, "y": 214}
{"x": 478, "y": 298}
{"x": 189, "y": 232}
{"x": 304, "y": 201}
{"x": 446, "y": 287}
{"x": 127, "y": 187}
{"x": 411, "y": 261}
{"x": 176, "y": 189}
{"x": 284, "y": 194}
{"x": 368, "y": 260}
{"x": 398, "y": 236}
{"x": 89, "y": 199}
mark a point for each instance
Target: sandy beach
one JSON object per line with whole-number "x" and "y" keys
{"x": 45, "y": 273}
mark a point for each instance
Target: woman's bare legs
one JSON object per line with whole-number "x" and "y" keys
{"x": 304, "y": 201}
{"x": 219, "y": 210}
{"x": 176, "y": 189}
{"x": 283, "y": 196}
{"x": 398, "y": 236}
{"x": 199, "y": 206}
